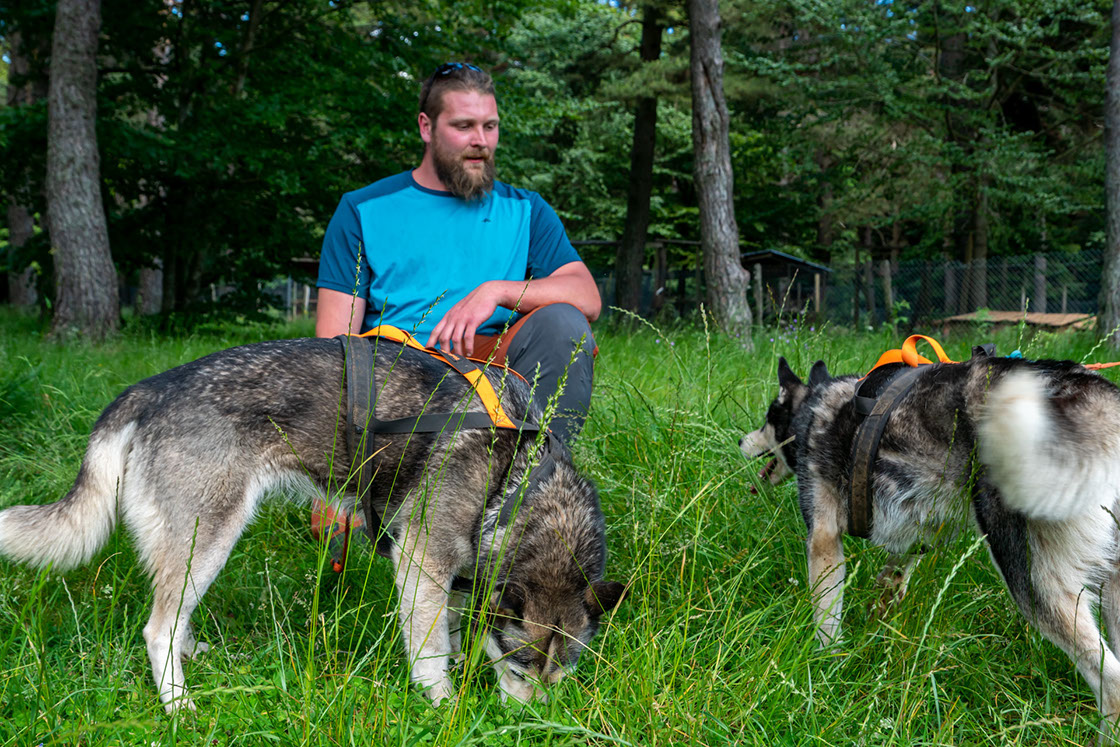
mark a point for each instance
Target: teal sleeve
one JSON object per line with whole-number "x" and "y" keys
{"x": 549, "y": 247}
{"x": 341, "y": 268}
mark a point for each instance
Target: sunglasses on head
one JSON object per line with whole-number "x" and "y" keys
{"x": 446, "y": 68}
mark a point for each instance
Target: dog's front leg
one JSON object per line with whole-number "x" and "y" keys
{"x": 423, "y": 590}
{"x": 456, "y": 601}
{"x": 826, "y": 580}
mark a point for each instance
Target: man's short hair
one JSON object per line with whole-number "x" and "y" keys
{"x": 452, "y": 76}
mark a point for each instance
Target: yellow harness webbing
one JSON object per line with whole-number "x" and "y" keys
{"x": 465, "y": 366}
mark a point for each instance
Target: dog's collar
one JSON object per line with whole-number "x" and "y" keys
{"x": 540, "y": 472}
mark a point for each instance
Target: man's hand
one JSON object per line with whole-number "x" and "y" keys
{"x": 455, "y": 331}
{"x": 571, "y": 283}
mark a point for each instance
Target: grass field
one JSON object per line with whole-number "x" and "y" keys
{"x": 713, "y": 646}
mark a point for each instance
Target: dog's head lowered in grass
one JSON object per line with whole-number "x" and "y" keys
{"x": 776, "y": 436}
{"x": 545, "y": 608}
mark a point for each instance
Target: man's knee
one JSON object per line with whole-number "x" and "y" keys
{"x": 555, "y": 344}
{"x": 559, "y": 322}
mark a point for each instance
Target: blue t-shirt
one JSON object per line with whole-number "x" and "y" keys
{"x": 422, "y": 251}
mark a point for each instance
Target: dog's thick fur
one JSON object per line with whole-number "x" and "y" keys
{"x": 1029, "y": 451}
{"x": 186, "y": 458}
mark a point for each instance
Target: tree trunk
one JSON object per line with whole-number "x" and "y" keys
{"x": 247, "y": 42}
{"x": 960, "y": 134}
{"x": 660, "y": 277}
{"x": 21, "y": 224}
{"x": 1109, "y": 318}
{"x": 826, "y": 233}
{"x": 888, "y": 290}
{"x": 1038, "y": 302}
{"x": 21, "y": 284}
{"x": 150, "y": 300}
{"x": 869, "y": 292}
{"x": 978, "y": 285}
{"x": 86, "y": 297}
{"x": 728, "y": 283}
{"x": 632, "y": 250}
{"x": 950, "y": 285}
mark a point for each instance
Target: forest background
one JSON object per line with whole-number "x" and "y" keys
{"x": 858, "y": 131}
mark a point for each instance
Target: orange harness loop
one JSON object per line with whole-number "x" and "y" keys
{"x": 471, "y": 372}
{"x": 909, "y": 355}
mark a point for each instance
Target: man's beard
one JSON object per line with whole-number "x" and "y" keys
{"x": 469, "y": 183}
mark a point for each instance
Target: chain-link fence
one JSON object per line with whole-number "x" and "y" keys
{"x": 873, "y": 293}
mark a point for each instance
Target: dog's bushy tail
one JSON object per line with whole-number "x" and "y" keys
{"x": 1047, "y": 466}
{"x": 67, "y": 533}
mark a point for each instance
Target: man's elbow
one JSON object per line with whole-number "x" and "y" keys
{"x": 590, "y": 303}
{"x": 593, "y": 307}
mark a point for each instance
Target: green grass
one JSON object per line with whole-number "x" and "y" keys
{"x": 714, "y": 644}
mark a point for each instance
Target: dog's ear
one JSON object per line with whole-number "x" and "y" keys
{"x": 787, "y": 379}
{"x": 987, "y": 350}
{"x": 603, "y": 596}
{"x": 819, "y": 374}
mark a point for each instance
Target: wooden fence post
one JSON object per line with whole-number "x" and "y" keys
{"x": 758, "y": 292}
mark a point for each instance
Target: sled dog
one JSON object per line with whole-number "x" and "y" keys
{"x": 1027, "y": 451}
{"x": 186, "y": 458}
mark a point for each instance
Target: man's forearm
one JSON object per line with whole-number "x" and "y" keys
{"x": 575, "y": 287}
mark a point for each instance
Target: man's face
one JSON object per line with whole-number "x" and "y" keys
{"x": 462, "y": 142}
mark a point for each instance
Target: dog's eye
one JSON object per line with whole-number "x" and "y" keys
{"x": 514, "y": 649}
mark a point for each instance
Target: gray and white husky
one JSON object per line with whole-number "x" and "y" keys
{"x": 1028, "y": 451}
{"x": 185, "y": 459}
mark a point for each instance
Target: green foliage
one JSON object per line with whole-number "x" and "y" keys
{"x": 225, "y": 158}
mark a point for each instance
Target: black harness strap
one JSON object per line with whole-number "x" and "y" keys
{"x": 876, "y": 411}
{"x": 362, "y": 424}
{"x": 442, "y": 422}
{"x": 359, "y": 356}
{"x": 359, "y": 395}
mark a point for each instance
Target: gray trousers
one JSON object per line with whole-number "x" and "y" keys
{"x": 542, "y": 346}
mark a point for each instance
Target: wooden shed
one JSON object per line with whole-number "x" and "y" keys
{"x": 784, "y": 283}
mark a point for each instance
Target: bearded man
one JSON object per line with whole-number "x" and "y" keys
{"x": 465, "y": 263}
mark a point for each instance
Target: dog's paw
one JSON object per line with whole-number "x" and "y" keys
{"x": 180, "y": 705}
{"x": 196, "y": 650}
{"x": 880, "y": 608}
{"x": 442, "y": 693}
{"x": 436, "y": 685}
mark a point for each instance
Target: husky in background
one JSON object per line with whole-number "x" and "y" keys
{"x": 1028, "y": 451}
{"x": 186, "y": 457}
